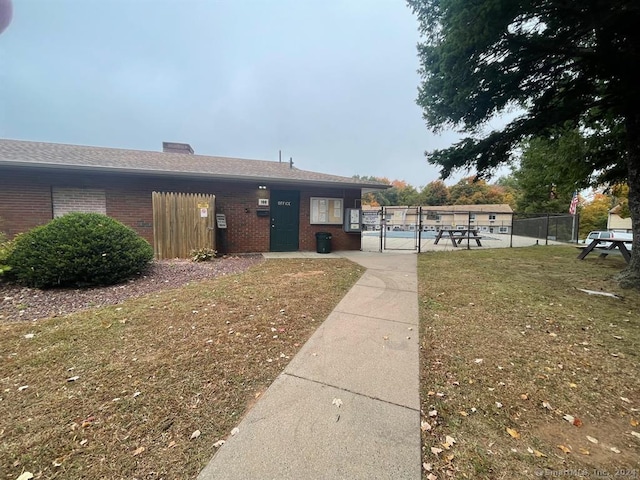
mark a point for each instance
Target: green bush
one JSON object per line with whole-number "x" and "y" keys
{"x": 78, "y": 249}
{"x": 5, "y": 249}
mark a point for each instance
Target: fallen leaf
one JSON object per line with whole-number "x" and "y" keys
{"x": 433, "y": 413}
{"x": 577, "y": 422}
{"x": 431, "y": 476}
{"x": 547, "y": 405}
{"x": 25, "y": 476}
{"x": 513, "y": 433}
{"x": 173, "y": 444}
{"x": 29, "y": 336}
{"x": 478, "y": 361}
{"x": 573, "y": 385}
{"x": 450, "y": 440}
{"x": 427, "y": 466}
{"x": 592, "y": 440}
{"x": 235, "y": 431}
{"x": 564, "y": 449}
{"x": 464, "y": 414}
{"x": 625, "y": 399}
{"x": 73, "y": 379}
{"x": 635, "y": 434}
{"x": 195, "y": 434}
{"x": 583, "y": 451}
{"x": 614, "y": 450}
{"x": 219, "y": 443}
{"x": 634, "y": 422}
{"x": 498, "y": 405}
{"x": 524, "y": 396}
{"x": 83, "y": 441}
{"x": 137, "y": 394}
{"x": 436, "y": 450}
{"x": 337, "y": 402}
{"x": 138, "y": 451}
{"x": 539, "y": 454}
{"x": 573, "y": 420}
{"x": 23, "y": 387}
{"x": 424, "y": 426}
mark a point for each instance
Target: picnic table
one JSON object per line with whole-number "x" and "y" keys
{"x": 604, "y": 250}
{"x": 458, "y": 235}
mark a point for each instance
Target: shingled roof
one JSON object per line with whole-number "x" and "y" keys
{"x": 17, "y": 153}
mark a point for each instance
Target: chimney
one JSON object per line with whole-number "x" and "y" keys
{"x": 173, "y": 147}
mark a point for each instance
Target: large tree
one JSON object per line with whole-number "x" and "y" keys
{"x": 560, "y": 63}
{"x": 550, "y": 170}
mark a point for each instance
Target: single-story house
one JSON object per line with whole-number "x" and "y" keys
{"x": 488, "y": 218}
{"x": 616, "y": 222}
{"x": 255, "y": 206}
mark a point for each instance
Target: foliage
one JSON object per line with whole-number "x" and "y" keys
{"x": 204, "y": 254}
{"x": 469, "y": 191}
{"x": 400, "y": 193}
{"x": 550, "y": 170}
{"x": 594, "y": 215}
{"x": 474, "y": 191}
{"x": 5, "y": 249}
{"x": 435, "y": 193}
{"x": 560, "y": 65}
{"x": 620, "y": 192}
{"x": 78, "y": 249}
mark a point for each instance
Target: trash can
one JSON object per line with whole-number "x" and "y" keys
{"x": 323, "y": 242}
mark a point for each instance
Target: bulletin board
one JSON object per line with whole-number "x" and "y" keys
{"x": 326, "y": 211}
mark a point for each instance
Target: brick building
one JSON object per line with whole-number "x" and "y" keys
{"x": 268, "y": 205}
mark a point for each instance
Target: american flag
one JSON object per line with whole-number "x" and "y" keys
{"x": 574, "y": 203}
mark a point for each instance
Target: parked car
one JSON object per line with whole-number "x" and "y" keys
{"x": 605, "y": 234}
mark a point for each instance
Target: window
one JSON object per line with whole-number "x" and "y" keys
{"x": 503, "y": 230}
{"x": 492, "y": 216}
{"x": 327, "y": 211}
{"x": 472, "y": 217}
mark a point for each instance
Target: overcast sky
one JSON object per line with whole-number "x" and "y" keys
{"x": 331, "y": 83}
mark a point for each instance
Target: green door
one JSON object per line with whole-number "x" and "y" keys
{"x": 285, "y": 220}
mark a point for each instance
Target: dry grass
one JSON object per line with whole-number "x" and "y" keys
{"x": 154, "y": 370}
{"x": 504, "y": 331}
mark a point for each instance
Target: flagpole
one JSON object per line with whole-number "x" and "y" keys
{"x": 573, "y": 208}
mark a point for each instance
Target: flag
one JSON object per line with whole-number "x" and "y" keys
{"x": 574, "y": 203}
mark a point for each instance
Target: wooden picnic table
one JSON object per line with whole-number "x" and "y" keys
{"x": 619, "y": 245}
{"x": 458, "y": 235}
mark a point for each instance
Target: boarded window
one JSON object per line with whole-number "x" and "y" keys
{"x": 83, "y": 200}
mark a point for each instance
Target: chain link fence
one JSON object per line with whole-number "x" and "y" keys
{"x": 547, "y": 226}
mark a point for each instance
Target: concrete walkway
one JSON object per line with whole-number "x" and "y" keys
{"x": 347, "y": 406}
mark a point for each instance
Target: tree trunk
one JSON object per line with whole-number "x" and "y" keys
{"x": 630, "y": 276}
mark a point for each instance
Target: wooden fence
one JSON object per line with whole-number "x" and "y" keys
{"x": 182, "y": 222}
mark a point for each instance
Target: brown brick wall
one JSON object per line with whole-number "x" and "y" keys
{"x": 25, "y": 202}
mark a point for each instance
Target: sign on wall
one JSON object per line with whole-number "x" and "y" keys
{"x": 327, "y": 211}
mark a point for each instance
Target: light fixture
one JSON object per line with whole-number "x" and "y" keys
{"x": 262, "y": 187}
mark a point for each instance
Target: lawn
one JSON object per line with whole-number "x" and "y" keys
{"x": 522, "y": 374}
{"x": 144, "y": 389}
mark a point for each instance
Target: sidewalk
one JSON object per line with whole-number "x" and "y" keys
{"x": 347, "y": 406}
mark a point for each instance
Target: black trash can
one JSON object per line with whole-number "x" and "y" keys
{"x": 323, "y": 242}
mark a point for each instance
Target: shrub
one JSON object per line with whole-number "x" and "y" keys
{"x": 5, "y": 249}
{"x": 78, "y": 249}
{"x": 203, "y": 254}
